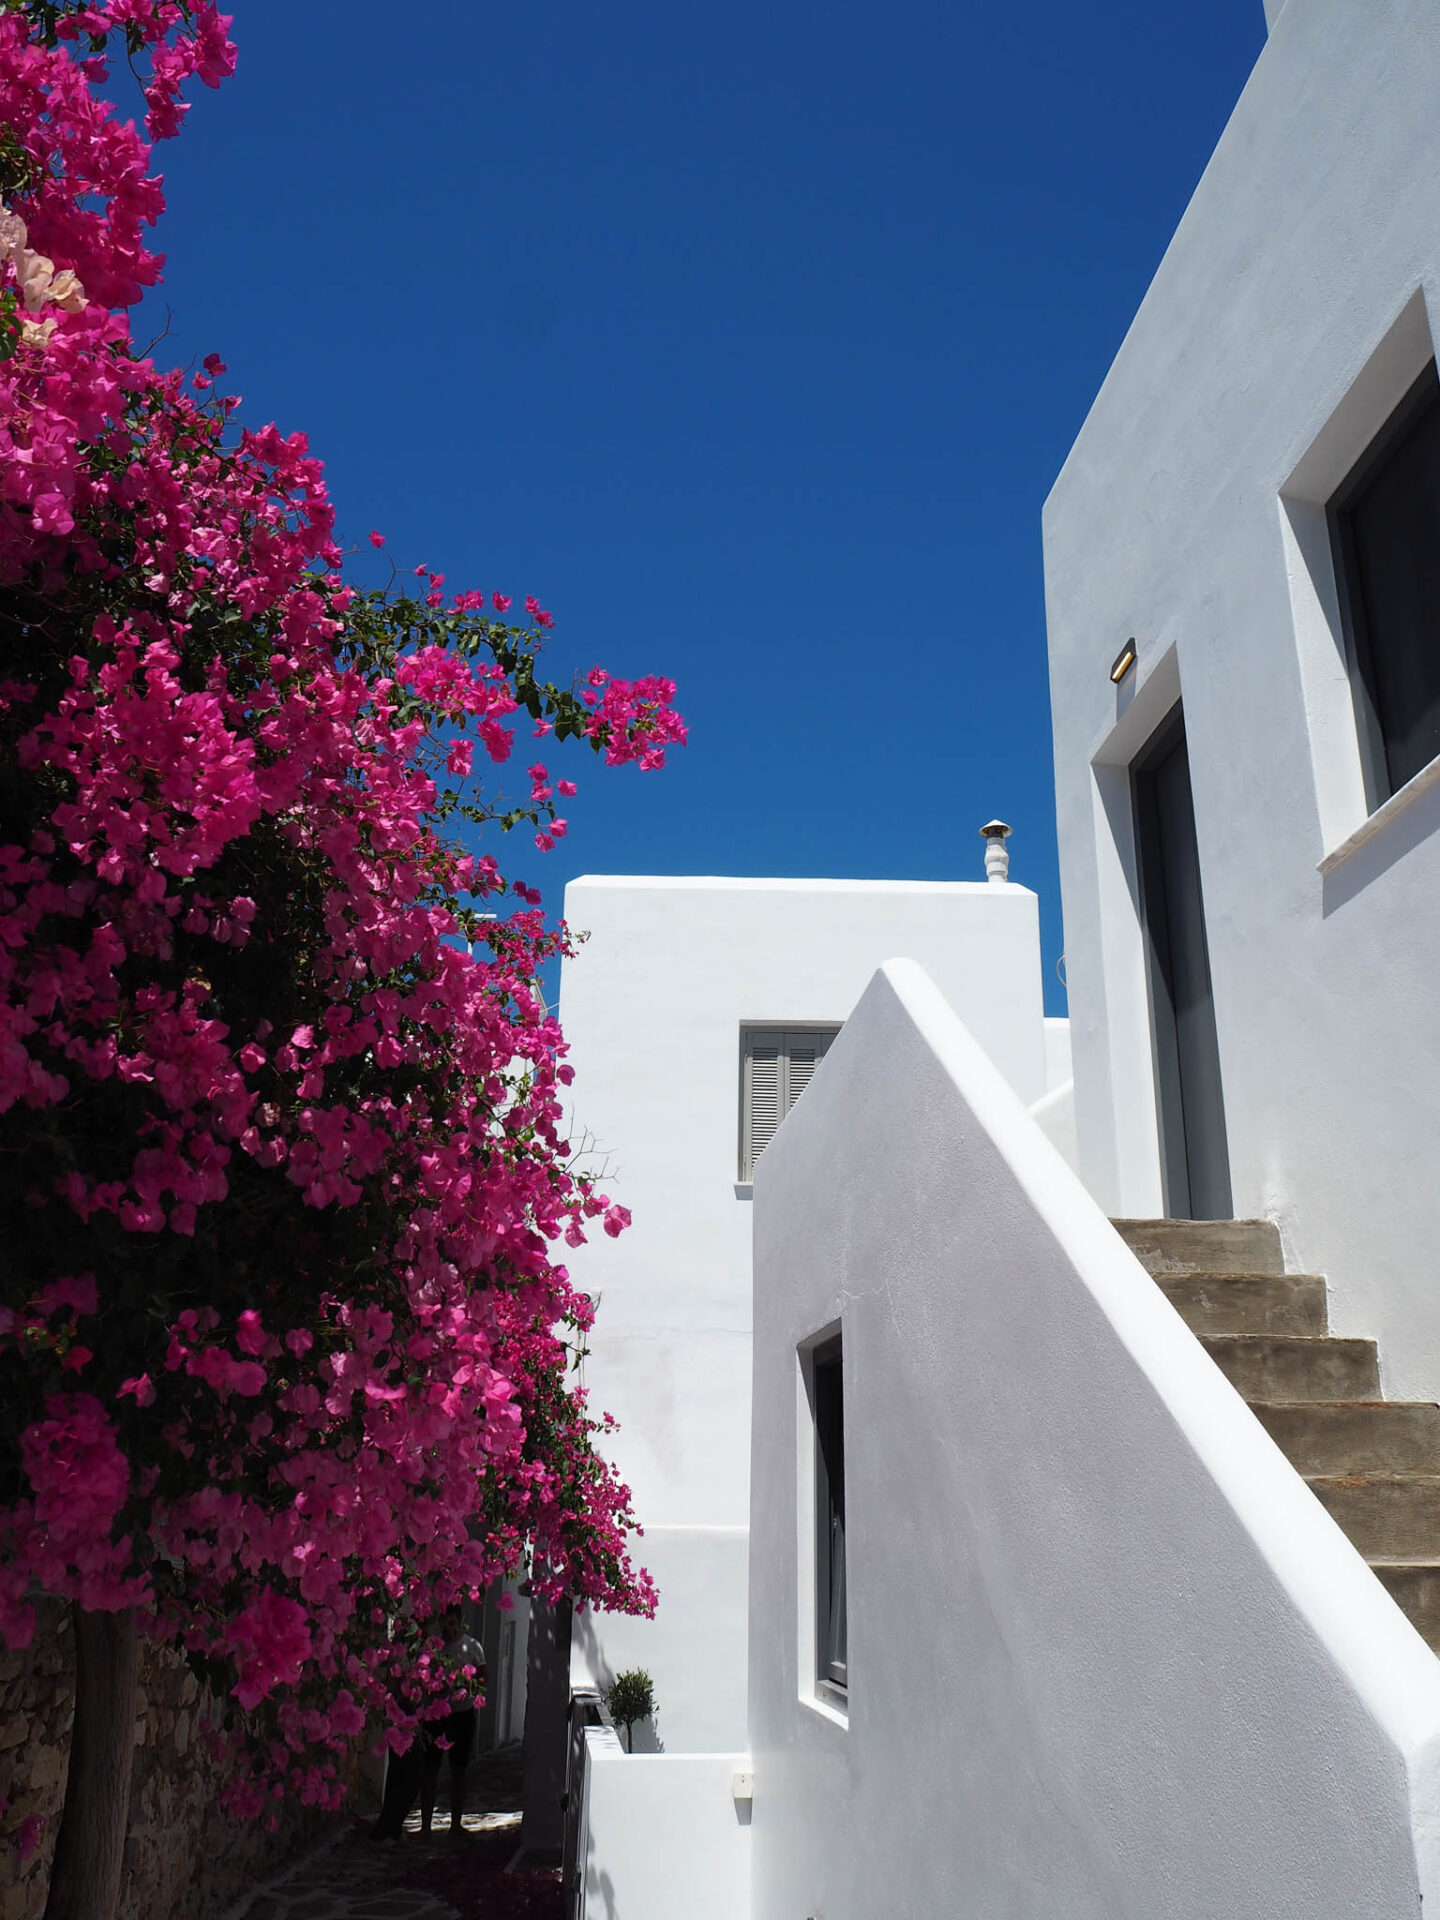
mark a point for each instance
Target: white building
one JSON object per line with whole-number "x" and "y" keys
{"x": 1289, "y": 320}
{"x": 695, "y": 1011}
{"x": 1046, "y": 1617}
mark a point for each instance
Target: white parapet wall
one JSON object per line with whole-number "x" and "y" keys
{"x": 1108, "y": 1657}
{"x": 1055, "y": 1117}
{"x": 666, "y": 1837}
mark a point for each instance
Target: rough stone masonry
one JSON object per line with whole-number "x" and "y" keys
{"x": 184, "y": 1858}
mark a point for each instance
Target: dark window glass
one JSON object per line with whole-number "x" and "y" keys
{"x": 830, "y": 1515}
{"x": 1385, "y": 526}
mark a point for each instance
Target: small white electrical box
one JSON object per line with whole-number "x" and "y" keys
{"x": 742, "y": 1786}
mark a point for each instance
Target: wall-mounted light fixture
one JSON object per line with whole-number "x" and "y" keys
{"x": 1124, "y": 660}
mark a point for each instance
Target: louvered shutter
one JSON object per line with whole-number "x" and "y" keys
{"x": 764, "y": 1091}
{"x": 803, "y": 1053}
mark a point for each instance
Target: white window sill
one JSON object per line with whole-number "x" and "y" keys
{"x": 744, "y": 1189}
{"x": 827, "y": 1710}
{"x": 1397, "y": 804}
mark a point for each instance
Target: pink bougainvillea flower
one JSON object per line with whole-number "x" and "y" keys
{"x": 281, "y": 1103}
{"x": 274, "y": 1642}
{"x": 77, "y": 1291}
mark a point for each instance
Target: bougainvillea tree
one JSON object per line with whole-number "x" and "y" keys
{"x": 284, "y": 1343}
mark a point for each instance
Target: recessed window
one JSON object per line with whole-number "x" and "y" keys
{"x": 776, "y": 1066}
{"x": 828, "y": 1400}
{"x": 1385, "y": 533}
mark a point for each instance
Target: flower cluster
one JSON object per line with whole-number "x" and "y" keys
{"x": 285, "y": 1351}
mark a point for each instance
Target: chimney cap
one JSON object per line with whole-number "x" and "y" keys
{"x": 995, "y": 830}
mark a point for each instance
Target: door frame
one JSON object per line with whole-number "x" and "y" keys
{"x": 1155, "y": 933}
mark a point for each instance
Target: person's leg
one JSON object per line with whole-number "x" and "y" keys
{"x": 431, "y": 1733}
{"x": 402, "y": 1777}
{"x": 461, "y": 1729}
{"x": 429, "y": 1783}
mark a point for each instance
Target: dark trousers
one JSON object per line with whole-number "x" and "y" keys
{"x": 416, "y": 1773}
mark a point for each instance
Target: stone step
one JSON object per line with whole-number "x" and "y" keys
{"x": 1389, "y": 1516}
{"x": 1204, "y": 1246}
{"x": 1355, "y": 1436}
{"x": 1289, "y": 1367}
{"x": 1373, "y": 1464}
{"x": 1414, "y": 1585}
{"x": 1247, "y": 1302}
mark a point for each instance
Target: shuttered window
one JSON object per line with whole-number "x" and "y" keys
{"x": 777, "y": 1064}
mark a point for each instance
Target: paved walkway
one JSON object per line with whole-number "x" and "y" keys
{"x": 348, "y": 1880}
{"x": 439, "y": 1877}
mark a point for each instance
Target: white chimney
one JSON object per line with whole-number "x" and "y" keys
{"x": 997, "y": 855}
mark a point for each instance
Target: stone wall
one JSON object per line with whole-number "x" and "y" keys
{"x": 184, "y": 1859}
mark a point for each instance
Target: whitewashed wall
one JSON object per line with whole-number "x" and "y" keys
{"x": 1059, "y": 1067}
{"x": 502, "y": 1718}
{"x": 665, "y": 1838}
{"x": 1109, "y": 1659}
{"x": 1291, "y": 312}
{"x": 653, "y": 1007}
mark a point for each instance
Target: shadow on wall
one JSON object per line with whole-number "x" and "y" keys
{"x": 645, "y": 1733}
{"x": 1414, "y": 820}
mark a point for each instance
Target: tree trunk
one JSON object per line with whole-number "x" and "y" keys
{"x": 90, "y": 1846}
{"x": 547, "y": 1732}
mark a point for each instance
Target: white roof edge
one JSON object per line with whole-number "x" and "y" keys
{"x": 722, "y": 883}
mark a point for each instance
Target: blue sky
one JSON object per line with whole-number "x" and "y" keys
{"x": 750, "y": 338}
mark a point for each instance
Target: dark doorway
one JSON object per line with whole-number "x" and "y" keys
{"x": 1194, "y": 1155}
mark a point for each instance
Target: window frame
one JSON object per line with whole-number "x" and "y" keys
{"x": 782, "y": 1031}
{"x": 1422, "y": 397}
{"x": 827, "y": 1401}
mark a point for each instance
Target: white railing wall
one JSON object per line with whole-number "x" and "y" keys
{"x": 662, "y": 1836}
{"x": 1109, "y": 1659}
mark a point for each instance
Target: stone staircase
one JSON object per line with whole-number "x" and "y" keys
{"x": 1373, "y": 1463}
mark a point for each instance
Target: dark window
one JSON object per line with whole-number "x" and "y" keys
{"x": 830, "y": 1634}
{"x": 1385, "y": 529}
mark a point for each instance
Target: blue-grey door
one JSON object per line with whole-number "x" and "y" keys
{"x": 1195, "y": 1156}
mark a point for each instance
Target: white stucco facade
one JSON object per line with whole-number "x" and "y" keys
{"x": 1107, "y": 1655}
{"x": 1292, "y": 312}
{"x": 653, "y": 1007}
{"x": 1108, "y": 1658}
{"x": 664, "y": 1835}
